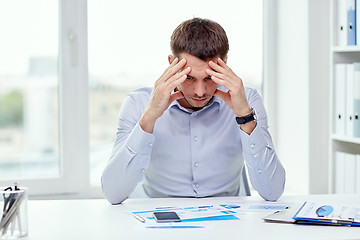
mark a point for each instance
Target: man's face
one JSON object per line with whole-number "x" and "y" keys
{"x": 198, "y": 88}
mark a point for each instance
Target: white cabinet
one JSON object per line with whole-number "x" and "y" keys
{"x": 341, "y": 142}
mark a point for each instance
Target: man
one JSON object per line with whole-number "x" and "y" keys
{"x": 190, "y": 134}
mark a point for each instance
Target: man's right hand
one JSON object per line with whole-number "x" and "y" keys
{"x": 162, "y": 96}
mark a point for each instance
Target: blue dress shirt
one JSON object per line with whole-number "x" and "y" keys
{"x": 191, "y": 153}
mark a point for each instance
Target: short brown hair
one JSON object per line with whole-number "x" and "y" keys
{"x": 202, "y": 38}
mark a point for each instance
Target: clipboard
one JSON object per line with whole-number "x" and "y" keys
{"x": 328, "y": 214}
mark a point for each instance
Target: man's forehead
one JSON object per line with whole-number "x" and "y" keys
{"x": 193, "y": 58}
{"x": 196, "y": 62}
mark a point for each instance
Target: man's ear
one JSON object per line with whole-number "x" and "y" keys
{"x": 170, "y": 58}
{"x": 225, "y": 59}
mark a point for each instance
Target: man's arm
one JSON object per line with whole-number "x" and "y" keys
{"x": 130, "y": 155}
{"x": 267, "y": 175}
{"x": 162, "y": 95}
{"x": 266, "y": 172}
{"x": 235, "y": 97}
{"x": 133, "y": 146}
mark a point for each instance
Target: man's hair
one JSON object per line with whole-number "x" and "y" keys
{"x": 202, "y": 38}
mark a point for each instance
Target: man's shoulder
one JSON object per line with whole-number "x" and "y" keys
{"x": 251, "y": 93}
{"x": 250, "y": 90}
{"x": 141, "y": 93}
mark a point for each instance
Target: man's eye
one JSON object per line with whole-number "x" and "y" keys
{"x": 189, "y": 78}
{"x": 208, "y": 78}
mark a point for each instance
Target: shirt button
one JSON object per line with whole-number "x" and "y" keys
{"x": 196, "y": 185}
{"x": 259, "y": 171}
{"x": 195, "y": 114}
{"x": 143, "y": 170}
{"x": 150, "y": 144}
{"x": 252, "y": 145}
{"x": 196, "y": 138}
{"x": 196, "y": 164}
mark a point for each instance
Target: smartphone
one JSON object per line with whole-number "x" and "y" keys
{"x": 162, "y": 217}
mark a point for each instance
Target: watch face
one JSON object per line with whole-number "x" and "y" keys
{"x": 255, "y": 116}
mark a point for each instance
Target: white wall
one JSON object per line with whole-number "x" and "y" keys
{"x": 298, "y": 63}
{"x": 293, "y": 92}
{"x": 319, "y": 104}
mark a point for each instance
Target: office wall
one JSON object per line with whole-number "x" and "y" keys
{"x": 296, "y": 76}
{"x": 319, "y": 103}
{"x": 293, "y": 92}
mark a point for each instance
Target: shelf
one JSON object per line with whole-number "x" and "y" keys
{"x": 346, "y": 49}
{"x": 345, "y": 139}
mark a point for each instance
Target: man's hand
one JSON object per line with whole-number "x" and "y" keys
{"x": 162, "y": 96}
{"x": 235, "y": 97}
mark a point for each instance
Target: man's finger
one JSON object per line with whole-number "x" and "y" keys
{"x": 222, "y": 63}
{"x": 176, "y": 96}
{"x": 216, "y": 67}
{"x": 220, "y": 94}
{"x": 173, "y": 70}
{"x": 216, "y": 74}
{"x": 178, "y": 75}
{"x": 171, "y": 85}
{"x": 224, "y": 96}
{"x": 221, "y": 82}
{"x": 176, "y": 60}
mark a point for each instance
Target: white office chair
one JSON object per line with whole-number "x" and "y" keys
{"x": 244, "y": 184}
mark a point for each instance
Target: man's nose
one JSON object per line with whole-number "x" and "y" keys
{"x": 200, "y": 88}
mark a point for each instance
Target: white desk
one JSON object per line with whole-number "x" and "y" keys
{"x": 97, "y": 219}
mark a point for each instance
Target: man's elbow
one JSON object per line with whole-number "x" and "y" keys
{"x": 274, "y": 194}
{"x": 111, "y": 194}
{"x": 113, "y": 199}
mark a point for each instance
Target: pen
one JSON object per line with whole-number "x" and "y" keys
{"x": 166, "y": 227}
{"x": 210, "y": 206}
{"x": 141, "y": 219}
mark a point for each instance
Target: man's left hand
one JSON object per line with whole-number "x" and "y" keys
{"x": 235, "y": 97}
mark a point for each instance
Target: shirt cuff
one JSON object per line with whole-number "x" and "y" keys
{"x": 255, "y": 142}
{"x": 140, "y": 141}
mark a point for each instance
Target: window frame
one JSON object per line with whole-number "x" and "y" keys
{"x": 73, "y": 110}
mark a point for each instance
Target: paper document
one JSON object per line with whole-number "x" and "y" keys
{"x": 199, "y": 217}
{"x": 196, "y": 213}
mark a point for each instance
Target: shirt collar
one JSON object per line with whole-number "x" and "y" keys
{"x": 216, "y": 101}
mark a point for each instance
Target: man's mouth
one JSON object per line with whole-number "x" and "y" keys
{"x": 199, "y": 99}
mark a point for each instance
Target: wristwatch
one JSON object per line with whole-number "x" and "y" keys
{"x": 248, "y": 118}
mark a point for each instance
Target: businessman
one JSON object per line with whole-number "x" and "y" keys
{"x": 189, "y": 135}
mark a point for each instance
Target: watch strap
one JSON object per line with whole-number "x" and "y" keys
{"x": 248, "y": 118}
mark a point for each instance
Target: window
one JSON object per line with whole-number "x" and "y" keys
{"x": 43, "y": 67}
{"x": 29, "y": 114}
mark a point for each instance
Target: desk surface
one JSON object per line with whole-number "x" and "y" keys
{"x": 97, "y": 219}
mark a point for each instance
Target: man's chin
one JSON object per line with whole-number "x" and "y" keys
{"x": 198, "y": 103}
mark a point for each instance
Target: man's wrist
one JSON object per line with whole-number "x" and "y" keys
{"x": 243, "y": 112}
{"x": 248, "y": 127}
{"x": 147, "y": 122}
{"x": 247, "y": 122}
